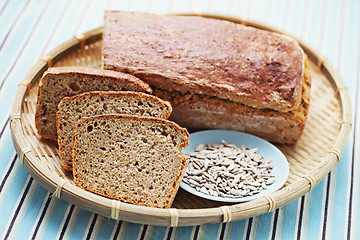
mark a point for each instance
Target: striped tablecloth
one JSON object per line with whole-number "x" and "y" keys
{"x": 30, "y": 28}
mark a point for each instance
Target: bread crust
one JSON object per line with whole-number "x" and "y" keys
{"x": 211, "y": 57}
{"x": 117, "y": 94}
{"x": 199, "y": 112}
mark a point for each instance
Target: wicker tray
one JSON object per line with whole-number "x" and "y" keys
{"x": 310, "y": 159}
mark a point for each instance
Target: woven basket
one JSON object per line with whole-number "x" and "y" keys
{"x": 310, "y": 159}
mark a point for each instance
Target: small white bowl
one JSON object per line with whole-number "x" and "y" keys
{"x": 266, "y": 149}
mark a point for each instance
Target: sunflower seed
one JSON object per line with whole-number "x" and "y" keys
{"x": 196, "y": 178}
{"x": 206, "y": 164}
{"x": 227, "y": 170}
{"x": 200, "y": 147}
{"x": 270, "y": 181}
{"x": 198, "y": 172}
{"x": 193, "y": 182}
{"x": 236, "y": 192}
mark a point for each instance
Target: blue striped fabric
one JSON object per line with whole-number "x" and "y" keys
{"x": 30, "y": 28}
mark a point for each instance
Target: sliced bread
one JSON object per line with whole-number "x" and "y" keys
{"x": 61, "y": 82}
{"x": 135, "y": 159}
{"x": 88, "y": 104}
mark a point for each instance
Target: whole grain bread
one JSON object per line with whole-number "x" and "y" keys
{"x": 60, "y": 82}
{"x": 212, "y": 57}
{"x": 197, "y": 112}
{"x": 88, "y": 104}
{"x": 135, "y": 159}
{"x": 215, "y": 73}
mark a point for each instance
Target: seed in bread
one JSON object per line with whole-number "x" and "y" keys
{"x": 61, "y": 82}
{"x": 88, "y": 104}
{"x": 135, "y": 159}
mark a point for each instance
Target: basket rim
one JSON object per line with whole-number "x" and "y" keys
{"x": 175, "y": 217}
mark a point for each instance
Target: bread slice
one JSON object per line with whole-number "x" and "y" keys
{"x": 135, "y": 159}
{"x": 88, "y": 104}
{"x": 61, "y": 82}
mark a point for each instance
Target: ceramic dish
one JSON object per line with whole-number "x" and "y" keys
{"x": 266, "y": 149}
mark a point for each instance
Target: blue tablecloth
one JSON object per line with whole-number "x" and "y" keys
{"x": 30, "y": 28}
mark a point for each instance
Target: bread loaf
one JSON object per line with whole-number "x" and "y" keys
{"x": 88, "y": 104}
{"x": 135, "y": 159}
{"x": 255, "y": 78}
{"x": 61, "y": 82}
{"x": 198, "y": 112}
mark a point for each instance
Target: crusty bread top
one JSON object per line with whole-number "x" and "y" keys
{"x": 162, "y": 107}
{"x": 211, "y": 57}
{"x": 97, "y": 72}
